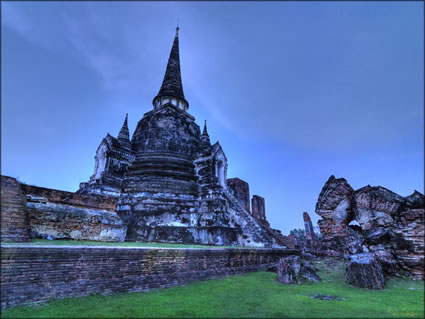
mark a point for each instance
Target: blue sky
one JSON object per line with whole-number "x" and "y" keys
{"x": 294, "y": 91}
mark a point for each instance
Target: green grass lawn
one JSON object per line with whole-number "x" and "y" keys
{"x": 251, "y": 295}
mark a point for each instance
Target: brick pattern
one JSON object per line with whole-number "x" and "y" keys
{"x": 14, "y": 219}
{"x": 36, "y": 274}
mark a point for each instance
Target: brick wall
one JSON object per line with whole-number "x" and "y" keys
{"x": 34, "y": 274}
{"x": 14, "y": 218}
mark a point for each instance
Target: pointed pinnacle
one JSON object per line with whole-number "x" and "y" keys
{"x": 125, "y": 121}
{"x": 205, "y": 132}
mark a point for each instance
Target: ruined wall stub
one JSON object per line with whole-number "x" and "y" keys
{"x": 258, "y": 207}
{"x": 309, "y": 232}
{"x": 241, "y": 191}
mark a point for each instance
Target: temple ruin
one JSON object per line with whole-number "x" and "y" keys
{"x": 168, "y": 181}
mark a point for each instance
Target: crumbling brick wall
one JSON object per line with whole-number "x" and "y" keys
{"x": 14, "y": 218}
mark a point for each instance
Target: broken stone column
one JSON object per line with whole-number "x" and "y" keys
{"x": 364, "y": 270}
{"x": 310, "y": 236}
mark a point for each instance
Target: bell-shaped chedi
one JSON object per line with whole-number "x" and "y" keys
{"x": 175, "y": 190}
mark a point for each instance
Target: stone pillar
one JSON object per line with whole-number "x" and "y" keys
{"x": 14, "y": 217}
{"x": 310, "y": 236}
{"x": 258, "y": 207}
{"x": 241, "y": 191}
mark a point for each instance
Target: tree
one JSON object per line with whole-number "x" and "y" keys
{"x": 298, "y": 233}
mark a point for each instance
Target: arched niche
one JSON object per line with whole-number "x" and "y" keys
{"x": 100, "y": 163}
{"x": 220, "y": 174}
{"x": 221, "y": 168}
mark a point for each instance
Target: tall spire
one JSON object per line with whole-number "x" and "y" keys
{"x": 172, "y": 87}
{"x": 205, "y": 132}
{"x": 124, "y": 134}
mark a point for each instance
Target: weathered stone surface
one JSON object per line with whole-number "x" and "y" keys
{"x": 14, "y": 218}
{"x": 363, "y": 270}
{"x": 34, "y": 274}
{"x": 389, "y": 225}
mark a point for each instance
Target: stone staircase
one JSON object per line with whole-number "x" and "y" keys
{"x": 258, "y": 233}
